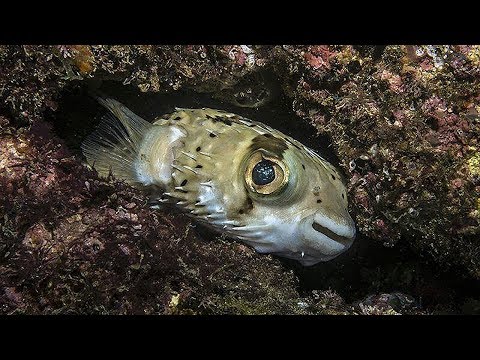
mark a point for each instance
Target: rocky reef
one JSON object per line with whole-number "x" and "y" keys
{"x": 405, "y": 123}
{"x": 402, "y": 122}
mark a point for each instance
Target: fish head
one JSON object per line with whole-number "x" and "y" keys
{"x": 300, "y": 207}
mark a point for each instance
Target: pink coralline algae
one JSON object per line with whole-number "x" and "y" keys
{"x": 403, "y": 122}
{"x": 419, "y": 111}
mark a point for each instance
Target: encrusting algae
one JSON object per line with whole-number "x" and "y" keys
{"x": 415, "y": 193}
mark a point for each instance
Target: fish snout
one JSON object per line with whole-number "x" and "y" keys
{"x": 327, "y": 237}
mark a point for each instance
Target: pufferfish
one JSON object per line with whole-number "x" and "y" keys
{"x": 238, "y": 176}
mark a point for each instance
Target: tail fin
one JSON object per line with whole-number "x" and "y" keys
{"x": 113, "y": 146}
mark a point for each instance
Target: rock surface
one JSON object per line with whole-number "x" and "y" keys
{"x": 404, "y": 124}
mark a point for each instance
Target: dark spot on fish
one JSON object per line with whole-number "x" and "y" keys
{"x": 319, "y": 201}
{"x": 249, "y": 204}
{"x": 212, "y": 135}
{"x": 273, "y": 144}
{"x": 303, "y": 166}
{"x": 177, "y": 118}
{"x": 333, "y": 177}
{"x": 184, "y": 182}
{"x": 268, "y": 135}
{"x": 199, "y": 166}
{"x": 199, "y": 205}
{"x": 343, "y": 196}
{"x": 224, "y": 120}
{"x": 246, "y": 207}
{"x": 199, "y": 148}
{"x": 252, "y": 125}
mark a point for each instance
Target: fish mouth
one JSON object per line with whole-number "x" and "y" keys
{"x": 324, "y": 238}
{"x": 344, "y": 240}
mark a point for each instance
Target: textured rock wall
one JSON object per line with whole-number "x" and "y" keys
{"x": 403, "y": 121}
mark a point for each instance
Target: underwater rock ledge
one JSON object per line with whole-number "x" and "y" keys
{"x": 403, "y": 121}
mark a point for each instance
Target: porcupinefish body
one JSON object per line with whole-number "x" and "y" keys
{"x": 238, "y": 176}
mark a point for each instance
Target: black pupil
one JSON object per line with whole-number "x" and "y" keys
{"x": 263, "y": 173}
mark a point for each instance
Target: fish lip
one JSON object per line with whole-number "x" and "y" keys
{"x": 322, "y": 243}
{"x": 346, "y": 241}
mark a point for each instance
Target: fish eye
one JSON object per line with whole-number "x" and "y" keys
{"x": 265, "y": 174}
